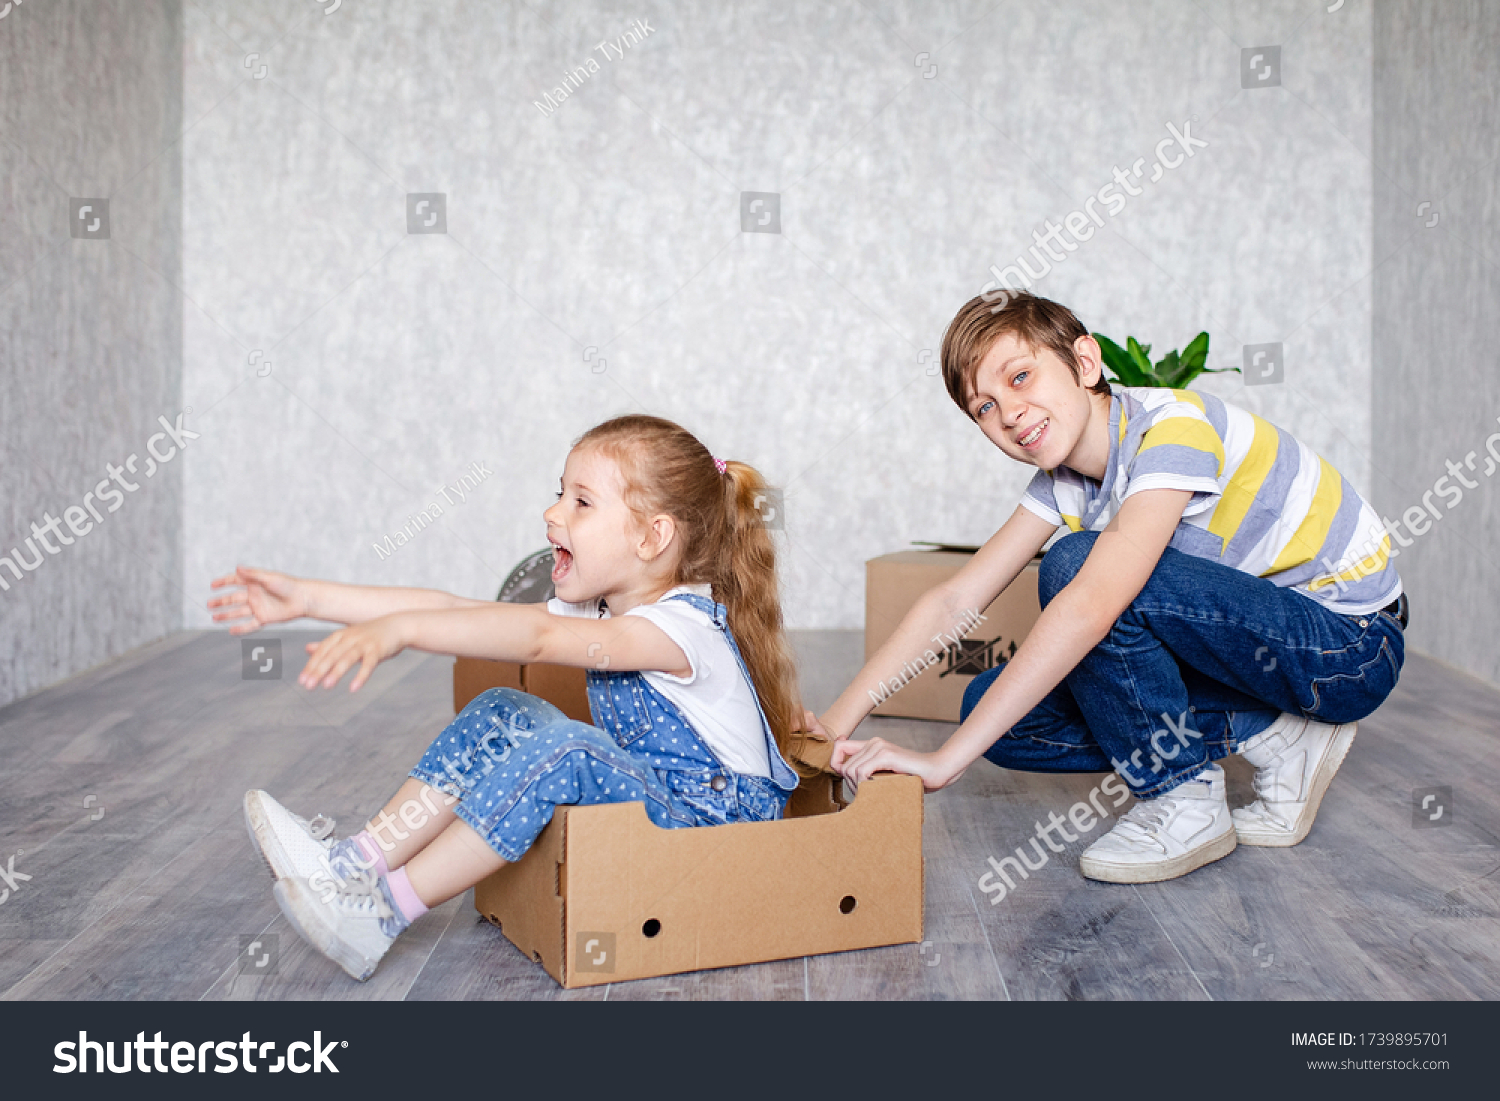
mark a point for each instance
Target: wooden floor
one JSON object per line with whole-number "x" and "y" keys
{"x": 120, "y": 797}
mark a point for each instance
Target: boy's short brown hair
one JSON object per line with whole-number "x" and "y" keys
{"x": 1037, "y": 322}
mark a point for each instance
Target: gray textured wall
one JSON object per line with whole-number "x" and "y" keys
{"x": 613, "y": 224}
{"x": 90, "y": 329}
{"x": 340, "y": 369}
{"x": 1437, "y": 315}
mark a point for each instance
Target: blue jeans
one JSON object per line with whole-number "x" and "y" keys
{"x": 512, "y": 759}
{"x": 1203, "y": 659}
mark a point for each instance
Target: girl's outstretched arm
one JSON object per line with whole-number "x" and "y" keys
{"x": 505, "y": 632}
{"x": 271, "y": 597}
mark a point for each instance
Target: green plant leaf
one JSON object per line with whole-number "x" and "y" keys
{"x": 1195, "y": 372}
{"x": 1118, "y": 362}
{"x": 1176, "y": 370}
{"x": 1168, "y": 370}
{"x": 1195, "y": 355}
{"x": 1141, "y": 353}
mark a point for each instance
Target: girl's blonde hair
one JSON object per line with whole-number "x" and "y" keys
{"x": 725, "y": 543}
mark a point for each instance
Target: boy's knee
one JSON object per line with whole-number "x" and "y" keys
{"x": 1062, "y": 563}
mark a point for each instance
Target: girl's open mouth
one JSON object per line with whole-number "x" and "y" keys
{"x": 562, "y": 562}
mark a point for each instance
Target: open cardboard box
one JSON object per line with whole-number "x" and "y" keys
{"x": 604, "y": 895}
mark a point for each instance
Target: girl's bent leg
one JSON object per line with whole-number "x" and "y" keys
{"x": 483, "y": 736}
{"x": 450, "y": 865}
{"x": 567, "y": 763}
{"x": 416, "y": 815}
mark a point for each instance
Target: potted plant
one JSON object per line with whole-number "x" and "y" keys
{"x": 1132, "y": 366}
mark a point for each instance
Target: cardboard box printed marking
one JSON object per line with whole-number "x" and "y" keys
{"x": 894, "y": 582}
{"x": 605, "y": 895}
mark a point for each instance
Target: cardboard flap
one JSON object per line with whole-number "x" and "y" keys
{"x": 527, "y": 900}
{"x": 807, "y": 755}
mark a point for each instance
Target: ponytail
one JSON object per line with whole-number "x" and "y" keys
{"x": 745, "y": 583}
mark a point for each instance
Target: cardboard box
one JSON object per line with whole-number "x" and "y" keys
{"x": 934, "y": 689}
{"x": 604, "y": 895}
{"x": 562, "y": 685}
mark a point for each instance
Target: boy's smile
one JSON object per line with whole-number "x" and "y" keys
{"x": 1032, "y": 408}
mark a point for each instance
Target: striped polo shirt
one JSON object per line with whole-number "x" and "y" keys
{"x": 1263, "y": 502}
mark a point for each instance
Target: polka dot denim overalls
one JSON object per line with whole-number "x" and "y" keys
{"x": 512, "y": 759}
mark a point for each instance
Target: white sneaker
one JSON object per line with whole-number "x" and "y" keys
{"x": 1165, "y": 837}
{"x": 1294, "y": 759}
{"x": 353, "y": 923}
{"x": 292, "y": 847}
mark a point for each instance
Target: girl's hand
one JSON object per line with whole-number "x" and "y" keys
{"x": 366, "y": 644}
{"x": 268, "y": 597}
{"x": 858, "y": 761}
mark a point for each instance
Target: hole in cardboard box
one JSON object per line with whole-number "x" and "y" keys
{"x": 847, "y": 904}
{"x": 651, "y": 928}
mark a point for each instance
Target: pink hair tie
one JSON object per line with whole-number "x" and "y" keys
{"x": 721, "y": 465}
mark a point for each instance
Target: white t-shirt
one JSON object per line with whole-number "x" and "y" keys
{"x": 715, "y": 698}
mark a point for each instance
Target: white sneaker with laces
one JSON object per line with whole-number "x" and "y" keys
{"x": 1295, "y": 760}
{"x": 292, "y": 847}
{"x": 354, "y": 923}
{"x": 1165, "y": 837}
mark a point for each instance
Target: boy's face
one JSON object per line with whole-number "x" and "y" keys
{"x": 1032, "y": 407}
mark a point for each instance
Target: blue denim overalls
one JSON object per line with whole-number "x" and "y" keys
{"x": 512, "y": 758}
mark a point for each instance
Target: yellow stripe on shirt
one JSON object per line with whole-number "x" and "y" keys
{"x": 1245, "y": 483}
{"x": 1191, "y": 398}
{"x": 1312, "y": 533}
{"x": 1185, "y": 432}
{"x": 1365, "y": 567}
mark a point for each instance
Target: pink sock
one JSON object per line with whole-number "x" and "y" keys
{"x": 404, "y": 897}
{"x": 372, "y": 850}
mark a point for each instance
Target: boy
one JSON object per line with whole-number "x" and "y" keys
{"x": 1224, "y": 590}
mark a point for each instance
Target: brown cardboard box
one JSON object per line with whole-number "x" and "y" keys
{"x": 562, "y": 685}
{"x": 604, "y": 895}
{"x": 928, "y": 689}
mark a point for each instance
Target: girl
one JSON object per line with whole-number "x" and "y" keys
{"x": 649, "y": 530}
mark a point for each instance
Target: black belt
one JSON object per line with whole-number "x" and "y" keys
{"x": 1398, "y": 609}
